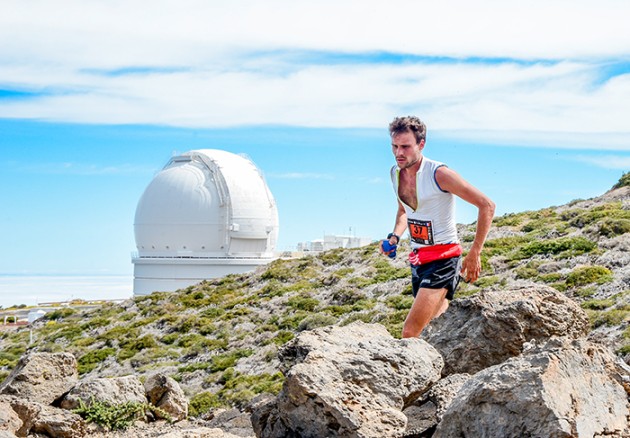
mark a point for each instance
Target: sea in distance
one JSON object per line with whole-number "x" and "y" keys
{"x": 32, "y": 290}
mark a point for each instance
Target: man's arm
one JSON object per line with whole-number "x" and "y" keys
{"x": 452, "y": 182}
{"x": 401, "y": 224}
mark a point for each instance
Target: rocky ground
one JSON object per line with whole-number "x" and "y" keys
{"x": 220, "y": 340}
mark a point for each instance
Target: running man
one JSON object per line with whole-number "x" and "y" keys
{"x": 426, "y": 192}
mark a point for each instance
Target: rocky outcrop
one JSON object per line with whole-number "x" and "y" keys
{"x": 28, "y": 405}
{"x": 47, "y": 420}
{"x": 492, "y": 326}
{"x": 9, "y": 420}
{"x": 112, "y": 391}
{"x": 42, "y": 377}
{"x": 426, "y": 412}
{"x": 562, "y": 389}
{"x": 357, "y": 381}
{"x": 350, "y": 381}
{"x": 164, "y": 392}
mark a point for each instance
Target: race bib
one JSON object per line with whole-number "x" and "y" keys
{"x": 421, "y": 232}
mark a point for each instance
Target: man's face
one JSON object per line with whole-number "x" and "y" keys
{"x": 406, "y": 150}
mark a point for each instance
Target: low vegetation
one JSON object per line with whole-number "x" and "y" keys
{"x": 212, "y": 336}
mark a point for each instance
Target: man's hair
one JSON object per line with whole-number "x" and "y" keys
{"x": 411, "y": 124}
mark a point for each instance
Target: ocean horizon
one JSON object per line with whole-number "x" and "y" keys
{"x": 33, "y": 289}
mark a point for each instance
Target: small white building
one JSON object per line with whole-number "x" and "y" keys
{"x": 332, "y": 241}
{"x": 207, "y": 214}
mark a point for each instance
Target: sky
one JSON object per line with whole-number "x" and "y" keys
{"x": 528, "y": 101}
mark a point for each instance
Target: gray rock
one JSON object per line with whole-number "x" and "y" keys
{"x": 9, "y": 420}
{"x": 47, "y": 420}
{"x": 426, "y": 412}
{"x": 420, "y": 419}
{"x": 165, "y": 393}
{"x": 350, "y": 381}
{"x": 492, "y": 326}
{"x": 42, "y": 377}
{"x": 563, "y": 388}
{"x": 113, "y": 390}
{"x": 444, "y": 392}
{"x": 232, "y": 421}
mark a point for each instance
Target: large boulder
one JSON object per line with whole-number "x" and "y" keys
{"x": 492, "y": 326}
{"x": 564, "y": 388}
{"x": 48, "y": 421}
{"x": 42, "y": 377}
{"x": 115, "y": 390}
{"x": 9, "y": 420}
{"x": 165, "y": 393}
{"x": 427, "y": 411}
{"x": 350, "y": 381}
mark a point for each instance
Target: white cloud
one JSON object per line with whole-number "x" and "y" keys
{"x": 607, "y": 161}
{"x": 84, "y": 169}
{"x": 211, "y": 64}
{"x": 301, "y": 175}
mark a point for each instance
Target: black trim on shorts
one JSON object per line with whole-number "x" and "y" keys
{"x": 439, "y": 274}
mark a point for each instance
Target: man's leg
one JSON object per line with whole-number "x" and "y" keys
{"x": 429, "y": 303}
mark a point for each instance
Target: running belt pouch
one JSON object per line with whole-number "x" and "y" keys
{"x": 420, "y": 256}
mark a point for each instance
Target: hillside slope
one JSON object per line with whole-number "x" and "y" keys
{"x": 219, "y": 339}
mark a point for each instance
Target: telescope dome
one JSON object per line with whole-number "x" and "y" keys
{"x": 207, "y": 208}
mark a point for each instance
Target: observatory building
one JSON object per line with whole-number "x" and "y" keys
{"x": 206, "y": 214}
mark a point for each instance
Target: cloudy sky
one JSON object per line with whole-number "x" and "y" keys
{"x": 527, "y": 100}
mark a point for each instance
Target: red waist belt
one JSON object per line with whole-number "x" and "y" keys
{"x": 420, "y": 256}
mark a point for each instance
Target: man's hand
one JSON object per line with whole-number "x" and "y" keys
{"x": 471, "y": 267}
{"x": 388, "y": 249}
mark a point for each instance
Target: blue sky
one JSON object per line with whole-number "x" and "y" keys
{"x": 96, "y": 96}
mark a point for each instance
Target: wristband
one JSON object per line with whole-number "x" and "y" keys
{"x": 390, "y": 235}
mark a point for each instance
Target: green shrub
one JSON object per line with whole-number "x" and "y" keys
{"x": 67, "y": 331}
{"x": 91, "y": 359}
{"x": 283, "y": 337}
{"x": 611, "y": 317}
{"x": 487, "y": 281}
{"x": 222, "y": 362}
{"x": 598, "y": 304}
{"x": 303, "y": 302}
{"x": 202, "y": 403}
{"x": 359, "y": 316}
{"x": 399, "y": 302}
{"x": 120, "y": 333}
{"x": 292, "y": 320}
{"x": 59, "y": 314}
{"x": 610, "y": 227}
{"x": 239, "y": 389}
{"x": 116, "y": 416}
{"x": 550, "y": 278}
{"x": 316, "y": 320}
{"x": 386, "y": 271}
{"x": 393, "y": 322}
{"x": 587, "y": 275}
{"x": 95, "y": 323}
{"x": 563, "y": 247}
{"x": 623, "y": 181}
{"x": 504, "y": 245}
{"x": 199, "y": 343}
{"x": 509, "y": 220}
{"x": 285, "y": 270}
{"x": 585, "y": 292}
{"x": 8, "y": 360}
{"x": 526, "y": 272}
{"x": 195, "y": 366}
{"x": 331, "y": 257}
{"x": 607, "y": 212}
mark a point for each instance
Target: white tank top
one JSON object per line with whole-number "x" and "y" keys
{"x": 433, "y": 223}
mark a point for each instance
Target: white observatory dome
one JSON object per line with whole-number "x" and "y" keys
{"x": 208, "y": 213}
